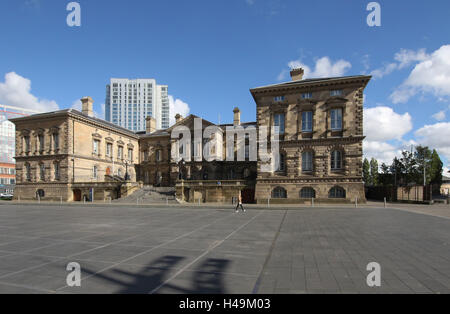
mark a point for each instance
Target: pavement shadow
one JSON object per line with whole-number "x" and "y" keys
{"x": 206, "y": 279}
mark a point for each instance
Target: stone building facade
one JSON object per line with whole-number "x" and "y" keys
{"x": 69, "y": 155}
{"x": 321, "y": 139}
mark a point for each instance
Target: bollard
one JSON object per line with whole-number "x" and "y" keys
{"x": 60, "y": 199}
{"x": 312, "y": 201}
{"x": 356, "y": 202}
{"x": 385, "y": 202}
{"x": 198, "y": 202}
{"x": 39, "y": 199}
{"x": 167, "y": 201}
{"x": 268, "y": 202}
{"x": 110, "y": 200}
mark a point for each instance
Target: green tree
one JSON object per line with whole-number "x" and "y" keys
{"x": 374, "y": 171}
{"x": 423, "y": 161}
{"x": 436, "y": 167}
{"x": 366, "y": 172}
{"x": 409, "y": 168}
{"x": 397, "y": 171}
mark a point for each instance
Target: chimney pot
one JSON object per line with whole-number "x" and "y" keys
{"x": 237, "y": 116}
{"x": 87, "y": 106}
{"x": 297, "y": 74}
{"x": 150, "y": 125}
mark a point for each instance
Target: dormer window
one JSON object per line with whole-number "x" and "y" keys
{"x": 306, "y": 95}
{"x": 336, "y": 92}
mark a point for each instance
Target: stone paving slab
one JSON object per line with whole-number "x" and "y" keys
{"x": 211, "y": 250}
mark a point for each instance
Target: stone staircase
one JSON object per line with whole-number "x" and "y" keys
{"x": 150, "y": 195}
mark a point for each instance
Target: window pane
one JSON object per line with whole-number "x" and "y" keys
{"x": 307, "y": 121}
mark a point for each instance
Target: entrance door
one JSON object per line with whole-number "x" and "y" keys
{"x": 248, "y": 196}
{"x": 77, "y": 195}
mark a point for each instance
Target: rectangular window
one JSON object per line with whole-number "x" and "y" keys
{"x": 336, "y": 119}
{"x": 307, "y": 121}
{"x": 94, "y": 172}
{"x": 55, "y": 141}
{"x": 279, "y": 120}
{"x": 158, "y": 155}
{"x": 42, "y": 172}
{"x": 282, "y": 165}
{"x": 336, "y": 160}
{"x": 95, "y": 147}
{"x": 336, "y": 92}
{"x": 27, "y": 144}
{"x": 306, "y": 95}
{"x": 279, "y": 98}
{"x": 120, "y": 152}
{"x": 28, "y": 172}
{"x": 56, "y": 171}
{"x": 307, "y": 164}
{"x": 109, "y": 148}
{"x": 130, "y": 154}
{"x": 41, "y": 142}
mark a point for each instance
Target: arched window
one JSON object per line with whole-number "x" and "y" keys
{"x": 336, "y": 160}
{"x": 307, "y": 161}
{"x": 336, "y": 192}
{"x": 307, "y": 193}
{"x": 279, "y": 192}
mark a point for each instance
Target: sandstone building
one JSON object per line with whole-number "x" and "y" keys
{"x": 70, "y": 156}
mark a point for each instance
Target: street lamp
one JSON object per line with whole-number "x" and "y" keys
{"x": 181, "y": 164}
{"x": 127, "y": 176}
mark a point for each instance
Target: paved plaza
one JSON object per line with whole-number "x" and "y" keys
{"x": 214, "y": 250}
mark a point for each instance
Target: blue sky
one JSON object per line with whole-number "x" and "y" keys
{"x": 211, "y": 52}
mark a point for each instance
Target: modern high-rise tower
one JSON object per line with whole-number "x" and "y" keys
{"x": 129, "y": 102}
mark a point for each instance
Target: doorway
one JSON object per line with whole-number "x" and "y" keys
{"x": 77, "y": 195}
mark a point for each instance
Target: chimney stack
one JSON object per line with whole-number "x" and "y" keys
{"x": 237, "y": 116}
{"x": 297, "y": 74}
{"x": 178, "y": 118}
{"x": 87, "y": 106}
{"x": 150, "y": 125}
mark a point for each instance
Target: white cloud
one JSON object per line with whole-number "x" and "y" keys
{"x": 431, "y": 75}
{"x": 381, "y": 151}
{"x": 324, "y": 67}
{"x": 177, "y": 106}
{"x": 387, "y": 69}
{"x": 383, "y": 124}
{"x": 436, "y": 136}
{"x": 404, "y": 58}
{"x": 15, "y": 91}
{"x": 439, "y": 116}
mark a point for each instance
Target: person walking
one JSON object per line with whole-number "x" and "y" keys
{"x": 239, "y": 204}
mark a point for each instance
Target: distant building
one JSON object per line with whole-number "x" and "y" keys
{"x": 7, "y": 145}
{"x": 129, "y": 102}
{"x": 445, "y": 187}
